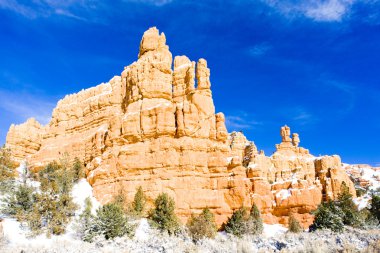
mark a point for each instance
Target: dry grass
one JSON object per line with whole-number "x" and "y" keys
{"x": 318, "y": 242}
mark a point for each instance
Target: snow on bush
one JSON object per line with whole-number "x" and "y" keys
{"x": 149, "y": 240}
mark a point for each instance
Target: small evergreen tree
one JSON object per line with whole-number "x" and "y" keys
{"x": 7, "y": 170}
{"x": 369, "y": 220}
{"x": 87, "y": 227}
{"x": 7, "y": 166}
{"x": 202, "y": 226}
{"x": 163, "y": 215}
{"x": 138, "y": 204}
{"x": 351, "y": 215}
{"x": 86, "y": 215}
{"x": 77, "y": 168}
{"x": 34, "y": 220}
{"x": 329, "y": 216}
{"x": 121, "y": 200}
{"x": 294, "y": 225}
{"x": 54, "y": 203}
{"x": 20, "y": 202}
{"x": 111, "y": 221}
{"x": 236, "y": 223}
{"x": 243, "y": 222}
{"x": 254, "y": 224}
{"x": 375, "y": 206}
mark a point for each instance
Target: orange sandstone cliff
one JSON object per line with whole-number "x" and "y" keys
{"x": 155, "y": 126}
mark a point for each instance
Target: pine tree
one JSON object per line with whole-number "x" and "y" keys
{"x": 77, "y": 169}
{"x": 243, "y": 222}
{"x": 375, "y": 206}
{"x": 7, "y": 166}
{"x": 351, "y": 215}
{"x": 121, "y": 200}
{"x": 236, "y": 223}
{"x": 54, "y": 203}
{"x": 254, "y": 224}
{"x": 34, "y": 220}
{"x": 86, "y": 215}
{"x": 19, "y": 202}
{"x": 329, "y": 216}
{"x": 163, "y": 215}
{"x": 7, "y": 170}
{"x": 202, "y": 226}
{"x": 111, "y": 221}
{"x": 138, "y": 204}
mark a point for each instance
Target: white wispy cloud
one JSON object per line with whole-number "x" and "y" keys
{"x": 333, "y": 10}
{"x": 341, "y": 88}
{"x": 298, "y": 115}
{"x": 259, "y": 49}
{"x": 240, "y": 121}
{"x": 24, "y": 106}
{"x": 151, "y": 2}
{"x": 317, "y": 10}
{"x": 76, "y": 9}
{"x": 21, "y": 9}
{"x": 83, "y": 10}
{"x": 303, "y": 117}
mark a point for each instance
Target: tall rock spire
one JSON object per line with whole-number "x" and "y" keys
{"x": 152, "y": 40}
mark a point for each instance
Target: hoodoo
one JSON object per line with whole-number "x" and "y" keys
{"x": 155, "y": 126}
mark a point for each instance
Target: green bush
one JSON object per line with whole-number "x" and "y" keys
{"x": 110, "y": 221}
{"x": 369, "y": 220}
{"x": 328, "y": 216}
{"x": 87, "y": 229}
{"x": 86, "y": 215}
{"x": 53, "y": 206}
{"x": 335, "y": 214}
{"x": 86, "y": 219}
{"x": 255, "y": 223}
{"x": 163, "y": 215}
{"x": 351, "y": 215}
{"x": 7, "y": 165}
{"x": 375, "y": 206}
{"x": 294, "y": 225}
{"x": 120, "y": 199}
{"x": 360, "y": 191}
{"x": 54, "y": 211}
{"x": 7, "y": 170}
{"x": 138, "y": 204}
{"x": 202, "y": 226}
{"x": 243, "y": 222}
{"x": 20, "y": 202}
{"x": 77, "y": 169}
{"x": 235, "y": 224}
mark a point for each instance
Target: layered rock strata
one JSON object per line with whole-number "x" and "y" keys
{"x": 156, "y": 127}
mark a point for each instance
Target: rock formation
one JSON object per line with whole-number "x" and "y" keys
{"x": 24, "y": 140}
{"x": 156, "y": 127}
{"x": 364, "y": 176}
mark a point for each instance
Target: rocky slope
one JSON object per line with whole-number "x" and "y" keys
{"x": 156, "y": 127}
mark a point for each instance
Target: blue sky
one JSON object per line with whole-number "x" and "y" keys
{"x": 314, "y": 65}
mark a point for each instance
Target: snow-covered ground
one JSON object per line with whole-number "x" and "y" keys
{"x": 149, "y": 240}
